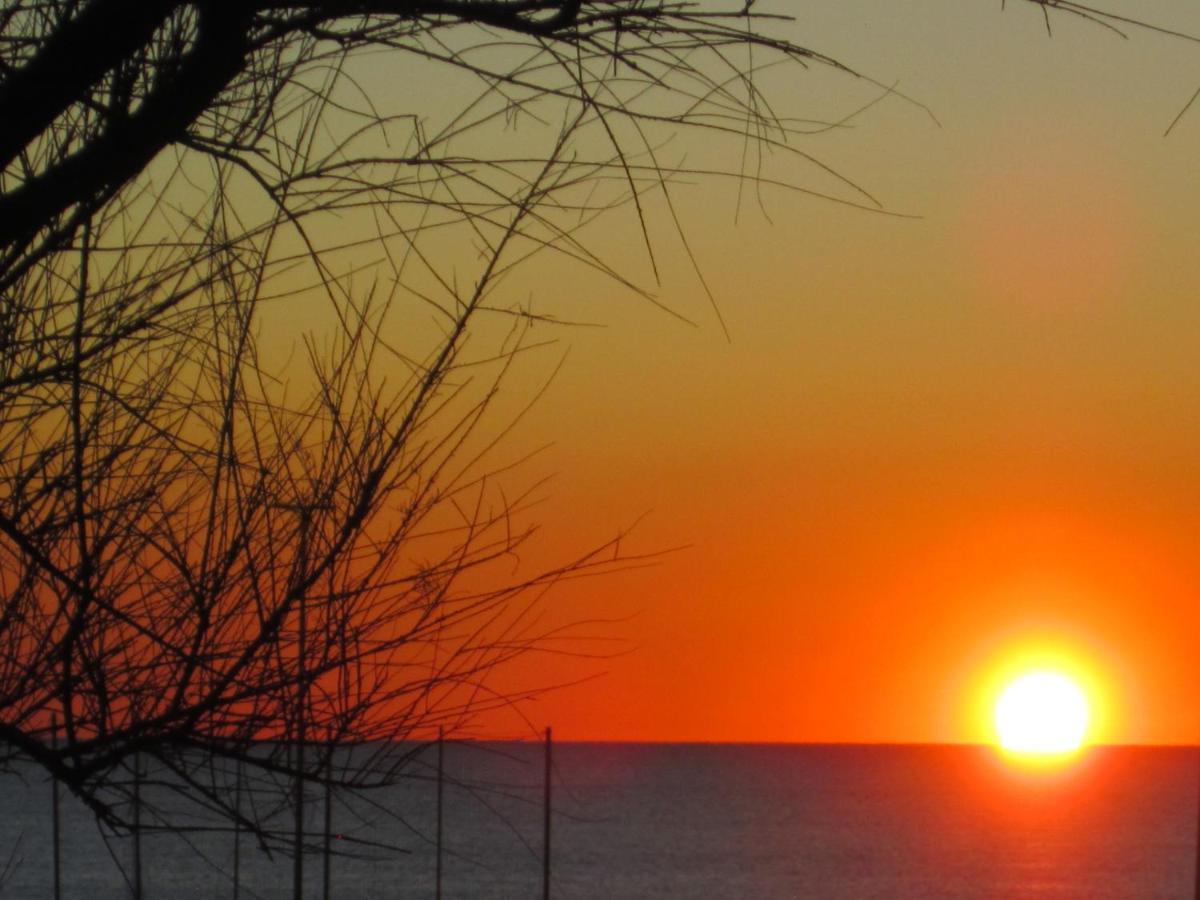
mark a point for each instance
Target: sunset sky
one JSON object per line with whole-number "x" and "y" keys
{"x": 417, "y": 382}
{"x": 931, "y": 448}
{"x": 937, "y": 447}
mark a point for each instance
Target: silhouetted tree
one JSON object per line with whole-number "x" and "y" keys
{"x": 212, "y": 556}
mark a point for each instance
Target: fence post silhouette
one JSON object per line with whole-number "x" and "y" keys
{"x": 57, "y": 828}
{"x": 298, "y": 798}
{"x": 546, "y": 819}
{"x": 441, "y": 746}
{"x": 301, "y": 701}
{"x": 137, "y": 826}
{"x": 237, "y": 831}
{"x": 327, "y": 874}
{"x": 298, "y": 826}
{"x": 1198, "y": 831}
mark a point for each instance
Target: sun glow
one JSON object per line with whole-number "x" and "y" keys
{"x": 1042, "y": 713}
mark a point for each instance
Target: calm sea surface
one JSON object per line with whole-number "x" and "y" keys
{"x": 719, "y": 821}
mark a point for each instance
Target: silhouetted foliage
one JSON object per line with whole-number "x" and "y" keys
{"x": 210, "y": 555}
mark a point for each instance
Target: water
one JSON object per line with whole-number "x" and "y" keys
{"x": 719, "y": 821}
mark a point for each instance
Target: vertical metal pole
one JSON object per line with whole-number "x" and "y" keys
{"x": 237, "y": 832}
{"x": 546, "y": 821}
{"x": 1198, "y": 834}
{"x": 57, "y": 825}
{"x": 298, "y": 826}
{"x": 327, "y": 873}
{"x": 137, "y": 826}
{"x": 298, "y": 799}
{"x": 440, "y": 793}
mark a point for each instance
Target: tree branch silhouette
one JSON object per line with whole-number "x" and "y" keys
{"x": 210, "y": 555}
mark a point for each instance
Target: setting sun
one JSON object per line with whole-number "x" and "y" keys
{"x": 1043, "y": 713}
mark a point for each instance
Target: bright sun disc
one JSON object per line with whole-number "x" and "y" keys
{"x": 1042, "y": 713}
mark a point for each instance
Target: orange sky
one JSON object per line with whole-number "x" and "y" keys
{"x": 932, "y": 448}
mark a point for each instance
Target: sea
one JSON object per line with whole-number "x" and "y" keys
{"x": 677, "y": 820}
